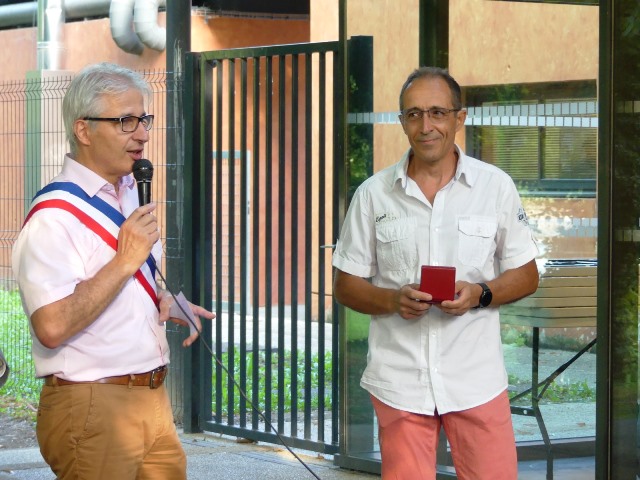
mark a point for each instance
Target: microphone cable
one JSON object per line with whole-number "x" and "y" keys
{"x": 235, "y": 383}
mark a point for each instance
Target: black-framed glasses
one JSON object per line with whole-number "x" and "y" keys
{"x": 128, "y": 123}
{"x": 435, "y": 114}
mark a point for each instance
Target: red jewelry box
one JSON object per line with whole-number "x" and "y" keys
{"x": 439, "y": 281}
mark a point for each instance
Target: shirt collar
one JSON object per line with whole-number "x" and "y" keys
{"x": 463, "y": 170}
{"x": 89, "y": 180}
{"x": 400, "y": 173}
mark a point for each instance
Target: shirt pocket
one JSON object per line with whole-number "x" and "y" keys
{"x": 396, "y": 246}
{"x": 476, "y": 240}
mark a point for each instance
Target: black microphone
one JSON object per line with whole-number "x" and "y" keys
{"x": 143, "y": 173}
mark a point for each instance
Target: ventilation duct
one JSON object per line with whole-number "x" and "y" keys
{"x": 145, "y": 23}
{"x": 50, "y": 21}
{"x": 143, "y": 15}
{"x": 124, "y": 16}
{"x": 24, "y": 14}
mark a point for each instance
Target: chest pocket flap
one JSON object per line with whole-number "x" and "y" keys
{"x": 478, "y": 227}
{"x": 476, "y": 240}
{"x": 396, "y": 244}
{"x": 396, "y": 230}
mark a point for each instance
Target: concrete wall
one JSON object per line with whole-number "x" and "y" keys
{"x": 516, "y": 42}
{"x": 90, "y": 41}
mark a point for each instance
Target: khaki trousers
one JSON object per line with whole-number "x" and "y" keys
{"x": 482, "y": 442}
{"x": 110, "y": 432}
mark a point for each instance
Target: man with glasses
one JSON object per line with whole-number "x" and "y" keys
{"x": 85, "y": 263}
{"x": 433, "y": 365}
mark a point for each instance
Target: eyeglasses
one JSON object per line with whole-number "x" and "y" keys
{"x": 435, "y": 114}
{"x": 128, "y": 123}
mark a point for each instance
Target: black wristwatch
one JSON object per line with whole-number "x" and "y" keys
{"x": 485, "y": 297}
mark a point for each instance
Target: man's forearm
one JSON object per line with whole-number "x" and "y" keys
{"x": 514, "y": 284}
{"x": 55, "y": 323}
{"x": 360, "y": 295}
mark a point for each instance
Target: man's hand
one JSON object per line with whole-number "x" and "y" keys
{"x": 410, "y": 302}
{"x": 466, "y": 298}
{"x": 167, "y": 301}
{"x": 360, "y": 295}
{"x": 509, "y": 286}
{"x": 137, "y": 236}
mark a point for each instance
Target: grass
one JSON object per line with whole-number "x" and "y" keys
{"x": 521, "y": 336}
{"x": 288, "y": 398}
{"x": 19, "y": 408}
{"x": 22, "y": 388}
{"x": 557, "y": 392}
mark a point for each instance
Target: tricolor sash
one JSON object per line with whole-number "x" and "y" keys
{"x": 98, "y": 216}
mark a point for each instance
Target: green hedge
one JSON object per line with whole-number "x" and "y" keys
{"x": 15, "y": 342}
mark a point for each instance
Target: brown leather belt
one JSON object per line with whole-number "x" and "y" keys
{"x": 152, "y": 379}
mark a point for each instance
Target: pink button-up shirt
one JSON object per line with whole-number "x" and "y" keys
{"x": 53, "y": 253}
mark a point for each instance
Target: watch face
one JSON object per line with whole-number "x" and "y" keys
{"x": 486, "y": 297}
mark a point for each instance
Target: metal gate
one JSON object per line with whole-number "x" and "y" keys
{"x": 265, "y": 128}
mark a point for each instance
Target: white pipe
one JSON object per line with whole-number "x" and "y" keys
{"x": 154, "y": 36}
{"x": 50, "y": 21}
{"x": 86, "y": 8}
{"x": 17, "y": 14}
{"x": 145, "y": 23}
{"x": 121, "y": 19}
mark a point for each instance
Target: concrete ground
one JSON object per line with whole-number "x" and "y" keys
{"x": 216, "y": 457}
{"x": 209, "y": 457}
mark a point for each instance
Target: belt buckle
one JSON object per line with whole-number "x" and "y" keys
{"x": 157, "y": 377}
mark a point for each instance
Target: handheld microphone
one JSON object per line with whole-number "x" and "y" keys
{"x": 143, "y": 173}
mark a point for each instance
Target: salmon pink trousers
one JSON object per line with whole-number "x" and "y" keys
{"x": 481, "y": 439}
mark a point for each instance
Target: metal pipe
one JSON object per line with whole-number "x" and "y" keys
{"x": 145, "y": 24}
{"x": 18, "y": 14}
{"x": 121, "y": 18}
{"x": 147, "y": 32}
{"x": 50, "y": 21}
{"x": 75, "y": 9}
{"x": 25, "y": 14}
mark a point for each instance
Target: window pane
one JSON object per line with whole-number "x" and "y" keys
{"x": 544, "y": 135}
{"x": 570, "y": 153}
{"x": 513, "y": 149}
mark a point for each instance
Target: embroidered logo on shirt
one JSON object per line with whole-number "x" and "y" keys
{"x": 522, "y": 217}
{"x": 384, "y": 217}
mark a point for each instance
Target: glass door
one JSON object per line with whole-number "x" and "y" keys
{"x": 529, "y": 73}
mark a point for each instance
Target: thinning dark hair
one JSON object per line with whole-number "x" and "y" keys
{"x": 435, "y": 72}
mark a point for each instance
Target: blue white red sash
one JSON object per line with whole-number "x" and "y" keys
{"x": 97, "y": 215}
